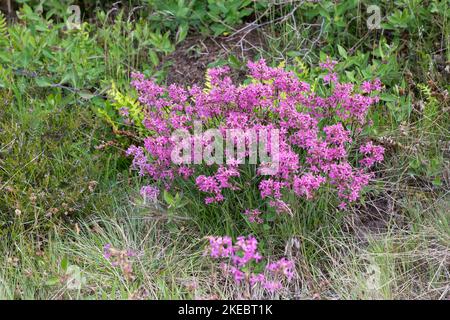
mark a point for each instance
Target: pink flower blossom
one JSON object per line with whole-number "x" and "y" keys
{"x": 254, "y": 216}
{"x": 373, "y": 154}
{"x": 242, "y": 256}
{"x": 150, "y": 192}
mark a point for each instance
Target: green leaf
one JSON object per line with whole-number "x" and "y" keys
{"x": 64, "y": 263}
{"x": 218, "y": 29}
{"x": 68, "y": 78}
{"x": 154, "y": 58}
{"x": 43, "y": 82}
{"x": 342, "y": 51}
{"x": 182, "y": 32}
{"x": 388, "y": 97}
{"x": 234, "y": 62}
{"x": 168, "y": 198}
{"x": 350, "y": 75}
{"x": 86, "y": 95}
{"x": 437, "y": 182}
{"x": 293, "y": 53}
{"x": 5, "y": 57}
{"x": 53, "y": 281}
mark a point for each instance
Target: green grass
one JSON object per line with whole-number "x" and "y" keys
{"x": 395, "y": 264}
{"x": 404, "y": 263}
{"x": 162, "y": 269}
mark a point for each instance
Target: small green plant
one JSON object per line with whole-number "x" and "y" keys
{"x": 3, "y": 27}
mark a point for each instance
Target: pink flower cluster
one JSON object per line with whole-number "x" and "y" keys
{"x": 150, "y": 193}
{"x": 373, "y": 154}
{"x": 315, "y": 135}
{"x": 253, "y": 216}
{"x": 242, "y": 256}
{"x": 121, "y": 259}
{"x": 215, "y": 184}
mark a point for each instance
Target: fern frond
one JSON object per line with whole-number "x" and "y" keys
{"x": 425, "y": 90}
{"x": 3, "y": 27}
{"x": 301, "y": 66}
{"x": 208, "y": 84}
{"x": 121, "y": 100}
{"x": 430, "y": 108}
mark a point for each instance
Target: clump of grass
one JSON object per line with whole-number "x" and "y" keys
{"x": 71, "y": 264}
{"x": 399, "y": 263}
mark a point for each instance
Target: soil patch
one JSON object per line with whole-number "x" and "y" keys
{"x": 191, "y": 58}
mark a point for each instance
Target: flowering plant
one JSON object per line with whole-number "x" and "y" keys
{"x": 314, "y": 138}
{"x": 242, "y": 257}
{"x": 317, "y": 129}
